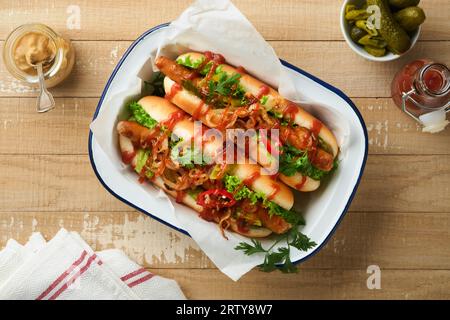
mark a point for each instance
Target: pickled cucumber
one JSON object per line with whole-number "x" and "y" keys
{"x": 376, "y": 52}
{"x": 395, "y": 36}
{"x": 362, "y": 24}
{"x": 371, "y": 41}
{"x": 356, "y": 33}
{"x": 403, "y": 3}
{"x": 360, "y": 14}
{"x": 410, "y": 18}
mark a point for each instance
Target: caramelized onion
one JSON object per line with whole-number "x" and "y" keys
{"x": 176, "y": 180}
{"x": 197, "y": 177}
{"x": 224, "y": 222}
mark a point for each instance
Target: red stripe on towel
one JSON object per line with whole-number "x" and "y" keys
{"x": 75, "y": 277}
{"x": 132, "y": 274}
{"x": 62, "y": 276}
{"x": 139, "y": 281}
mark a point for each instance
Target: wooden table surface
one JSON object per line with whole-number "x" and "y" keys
{"x": 399, "y": 220}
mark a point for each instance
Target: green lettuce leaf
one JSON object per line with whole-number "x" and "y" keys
{"x": 141, "y": 160}
{"x": 232, "y": 183}
{"x": 141, "y": 116}
{"x": 188, "y": 62}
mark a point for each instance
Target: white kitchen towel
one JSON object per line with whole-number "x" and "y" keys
{"x": 67, "y": 268}
{"x": 11, "y": 258}
{"x": 141, "y": 281}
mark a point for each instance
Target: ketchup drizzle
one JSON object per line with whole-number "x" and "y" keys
{"x": 173, "y": 119}
{"x": 127, "y": 156}
{"x": 276, "y": 188}
{"x": 316, "y": 127}
{"x": 241, "y": 70}
{"x": 242, "y": 225}
{"x": 290, "y": 111}
{"x": 173, "y": 91}
{"x": 249, "y": 181}
{"x": 300, "y": 185}
{"x": 200, "y": 111}
{"x": 263, "y": 90}
{"x": 180, "y": 196}
{"x": 216, "y": 59}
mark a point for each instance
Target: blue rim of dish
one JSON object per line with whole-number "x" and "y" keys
{"x": 284, "y": 63}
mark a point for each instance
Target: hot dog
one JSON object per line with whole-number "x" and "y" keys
{"x": 237, "y": 196}
{"x": 223, "y": 97}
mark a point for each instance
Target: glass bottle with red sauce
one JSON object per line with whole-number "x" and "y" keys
{"x": 422, "y": 90}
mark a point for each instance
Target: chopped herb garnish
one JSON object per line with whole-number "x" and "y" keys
{"x": 264, "y": 100}
{"x": 293, "y": 160}
{"x": 275, "y": 114}
{"x": 285, "y": 122}
{"x": 224, "y": 84}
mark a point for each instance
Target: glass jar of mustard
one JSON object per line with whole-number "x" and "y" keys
{"x": 30, "y": 44}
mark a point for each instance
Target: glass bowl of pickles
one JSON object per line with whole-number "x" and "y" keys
{"x": 381, "y": 30}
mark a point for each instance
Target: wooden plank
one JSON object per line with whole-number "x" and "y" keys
{"x": 67, "y": 183}
{"x": 354, "y": 75}
{"x": 404, "y": 184}
{"x": 275, "y": 20}
{"x": 335, "y": 63}
{"x": 46, "y": 183}
{"x": 312, "y": 284}
{"x": 399, "y": 219}
{"x": 393, "y": 132}
{"x": 64, "y": 130}
{"x": 389, "y": 240}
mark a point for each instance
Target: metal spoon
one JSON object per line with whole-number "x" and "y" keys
{"x": 45, "y": 101}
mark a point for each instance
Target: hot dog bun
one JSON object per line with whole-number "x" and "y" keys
{"x": 160, "y": 109}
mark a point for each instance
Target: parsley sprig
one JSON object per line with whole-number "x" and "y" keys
{"x": 293, "y": 160}
{"x": 154, "y": 86}
{"x": 224, "y": 86}
{"x": 280, "y": 258}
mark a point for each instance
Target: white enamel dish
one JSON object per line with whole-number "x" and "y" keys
{"x": 323, "y": 209}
